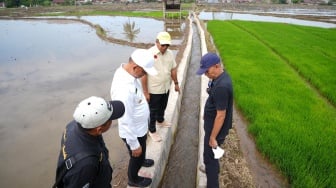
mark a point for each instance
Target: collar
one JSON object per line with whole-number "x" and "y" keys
{"x": 126, "y": 74}
{"x": 83, "y": 132}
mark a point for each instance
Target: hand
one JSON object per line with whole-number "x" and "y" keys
{"x": 177, "y": 88}
{"x": 213, "y": 142}
{"x": 137, "y": 152}
{"x": 147, "y": 96}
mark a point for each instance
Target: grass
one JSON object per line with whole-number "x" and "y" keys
{"x": 146, "y": 14}
{"x": 283, "y": 85}
{"x": 100, "y": 31}
{"x": 154, "y": 14}
{"x": 312, "y": 54}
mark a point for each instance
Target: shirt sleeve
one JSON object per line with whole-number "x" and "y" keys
{"x": 221, "y": 96}
{"x": 174, "y": 65}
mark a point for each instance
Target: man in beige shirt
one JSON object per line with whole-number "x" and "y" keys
{"x": 156, "y": 88}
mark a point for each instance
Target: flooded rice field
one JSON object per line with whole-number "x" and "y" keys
{"x": 46, "y": 68}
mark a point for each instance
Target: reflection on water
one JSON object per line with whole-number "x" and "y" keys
{"x": 130, "y": 30}
{"x": 252, "y": 17}
{"x": 113, "y": 25}
{"x": 46, "y": 68}
{"x": 148, "y": 27}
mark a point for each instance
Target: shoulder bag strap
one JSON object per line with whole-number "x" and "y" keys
{"x": 69, "y": 163}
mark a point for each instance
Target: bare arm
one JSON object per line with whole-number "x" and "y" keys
{"x": 174, "y": 78}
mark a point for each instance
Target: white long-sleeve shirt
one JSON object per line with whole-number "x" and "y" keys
{"x": 134, "y": 122}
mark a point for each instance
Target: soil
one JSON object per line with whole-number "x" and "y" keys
{"x": 235, "y": 168}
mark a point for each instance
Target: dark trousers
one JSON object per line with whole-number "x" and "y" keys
{"x": 211, "y": 164}
{"x": 135, "y": 163}
{"x": 157, "y": 107}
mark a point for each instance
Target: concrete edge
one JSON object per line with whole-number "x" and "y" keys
{"x": 201, "y": 176}
{"x": 159, "y": 151}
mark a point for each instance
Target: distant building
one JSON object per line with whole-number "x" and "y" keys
{"x": 315, "y": 1}
{"x": 83, "y": 1}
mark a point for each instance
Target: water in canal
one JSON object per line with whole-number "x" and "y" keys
{"x": 183, "y": 158}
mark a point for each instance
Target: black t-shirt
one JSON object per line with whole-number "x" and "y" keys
{"x": 89, "y": 172}
{"x": 220, "y": 98}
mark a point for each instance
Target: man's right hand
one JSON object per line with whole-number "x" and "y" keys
{"x": 137, "y": 152}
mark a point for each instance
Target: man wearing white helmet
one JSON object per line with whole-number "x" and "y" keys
{"x": 83, "y": 159}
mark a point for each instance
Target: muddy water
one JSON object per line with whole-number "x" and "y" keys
{"x": 182, "y": 163}
{"x": 43, "y": 76}
{"x": 46, "y": 68}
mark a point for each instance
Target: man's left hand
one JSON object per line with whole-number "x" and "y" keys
{"x": 213, "y": 142}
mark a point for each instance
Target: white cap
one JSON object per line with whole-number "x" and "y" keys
{"x": 95, "y": 111}
{"x": 164, "y": 38}
{"x": 218, "y": 152}
{"x": 144, "y": 59}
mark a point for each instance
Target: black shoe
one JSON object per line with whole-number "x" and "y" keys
{"x": 148, "y": 163}
{"x": 144, "y": 182}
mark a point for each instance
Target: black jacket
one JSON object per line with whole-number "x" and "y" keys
{"x": 90, "y": 172}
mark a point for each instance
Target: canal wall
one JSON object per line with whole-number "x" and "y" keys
{"x": 201, "y": 177}
{"x": 159, "y": 151}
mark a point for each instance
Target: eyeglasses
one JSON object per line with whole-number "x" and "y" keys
{"x": 165, "y": 45}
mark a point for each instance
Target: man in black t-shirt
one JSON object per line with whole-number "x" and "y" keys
{"x": 217, "y": 113}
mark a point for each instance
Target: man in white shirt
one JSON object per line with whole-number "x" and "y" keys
{"x": 133, "y": 126}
